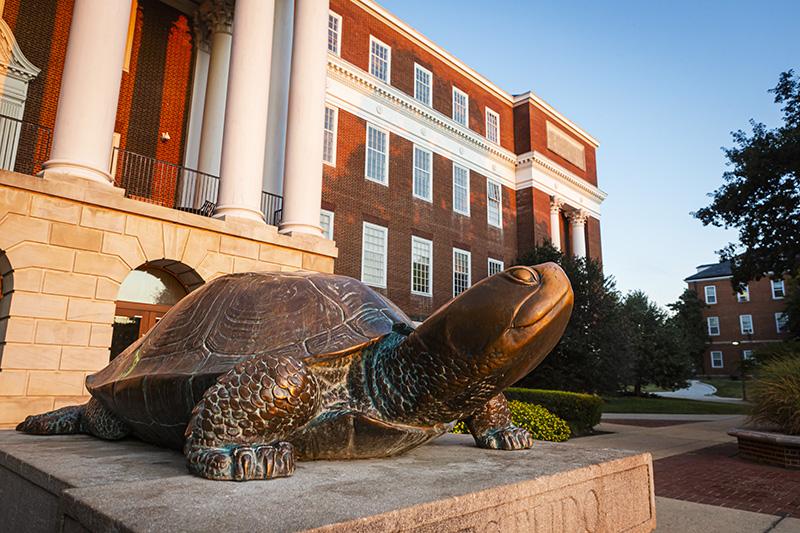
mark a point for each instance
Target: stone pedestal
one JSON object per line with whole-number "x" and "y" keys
{"x": 77, "y": 483}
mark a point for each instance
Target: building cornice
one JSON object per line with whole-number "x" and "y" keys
{"x": 530, "y": 97}
{"x": 537, "y": 159}
{"x": 368, "y": 84}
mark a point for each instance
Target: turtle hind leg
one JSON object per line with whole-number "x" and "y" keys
{"x": 237, "y": 431}
{"x": 91, "y": 418}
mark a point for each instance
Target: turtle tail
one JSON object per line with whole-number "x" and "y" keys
{"x": 91, "y": 418}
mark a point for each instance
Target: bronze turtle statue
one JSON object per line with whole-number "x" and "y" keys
{"x": 253, "y": 371}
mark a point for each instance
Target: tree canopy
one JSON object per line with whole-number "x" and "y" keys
{"x": 761, "y": 193}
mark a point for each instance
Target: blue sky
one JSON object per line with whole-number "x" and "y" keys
{"x": 660, "y": 84}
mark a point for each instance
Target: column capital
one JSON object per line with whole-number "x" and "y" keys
{"x": 201, "y": 31}
{"x": 556, "y": 204}
{"x": 578, "y": 217}
{"x": 217, "y": 15}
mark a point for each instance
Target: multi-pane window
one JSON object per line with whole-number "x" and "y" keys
{"x": 460, "y": 107}
{"x": 711, "y": 294}
{"x": 746, "y": 324}
{"x": 334, "y": 33}
{"x": 380, "y": 59}
{"x": 781, "y": 322}
{"x": 495, "y": 266}
{"x": 326, "y": 223}
{"x": 329, "y": 135}
{"x": 377, "y": 155}
{"x": 422, "y": 84}
{"x": 743, "y": 295}
{"x": 374, "y": 241}
{"x": 778, "y": 290}
{"x": 492, "y": 126}
{"x": 460, "y": 189}
{"x": 421, "y": 266}
{"x": 716, "y": 359}
{"x": 494, "y": 202}
{"x": 713, "y": 326}
{"x": 462, "y": 271}
{"x": 423, "y": 163}
{"x": 747, "y": 354}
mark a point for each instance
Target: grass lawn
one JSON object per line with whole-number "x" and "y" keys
{"x": 726, "y": 388}
{"x": 630, "y": 404}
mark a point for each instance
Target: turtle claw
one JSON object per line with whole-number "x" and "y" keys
{"x": 243, "y": 462}
{"x": 507, "y": 438}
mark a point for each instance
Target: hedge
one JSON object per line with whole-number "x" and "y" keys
{"x": 542, "y": 424}
{"x": 581, "y": 411}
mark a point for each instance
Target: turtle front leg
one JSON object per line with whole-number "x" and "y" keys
{"x": 491, "y": 427}
{"x": 237, "y": 429}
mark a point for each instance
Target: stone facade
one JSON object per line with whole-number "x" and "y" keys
{"x": 67, "y": 246}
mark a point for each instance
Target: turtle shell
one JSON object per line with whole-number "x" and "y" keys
{"x": 317, "y": 318}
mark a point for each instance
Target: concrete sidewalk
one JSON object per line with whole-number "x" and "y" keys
{"x": 697, "y": 390}
{"x": 699, "y": 431}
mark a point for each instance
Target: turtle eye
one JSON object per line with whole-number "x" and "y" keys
{"x": 524, "y": 274}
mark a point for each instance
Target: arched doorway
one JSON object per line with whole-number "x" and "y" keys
{"x": 144, "y": 297}
{"x": 6, "y": 286}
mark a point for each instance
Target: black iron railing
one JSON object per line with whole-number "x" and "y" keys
{"x": 24, "y": 145}
{"x": 160, "y": 182}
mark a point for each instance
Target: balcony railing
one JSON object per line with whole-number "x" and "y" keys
{"x": 160, "y": 182}
{"x": 24, "y": 145}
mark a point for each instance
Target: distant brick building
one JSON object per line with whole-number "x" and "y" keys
{"x": 737, "y": 323}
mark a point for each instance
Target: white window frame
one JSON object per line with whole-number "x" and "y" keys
{"x": 418, "y": 67}
{"x": 338, "y": 51}
{"x": 713, "y": 294}
{"x": 416, "y": 192}
{"x": 709, "y": 320}
{"x": 497, "y": 262}
{"x": 496, "y": 115}
{"x": 467, "y": 211}
{"x": 429, "y": 244}
{"x": 466, "y": 107}
{"x": 781, "y": 318}
{"x": 330, "y": 214}
{"x": 713, "y": 360}
{"x": 385, "y": 156}
{"x": 778, "y": 283}
{"x": 468, "y": 255}
{"x": 743, "y": 296}
{"x": 496, "y": 223}
{"x": 372, "y": 40}
{"x": 334, "y": 133}
{"x": 747, "y": 354}
{"x": 385, "y": 231}
{"x": 741, "y": 324}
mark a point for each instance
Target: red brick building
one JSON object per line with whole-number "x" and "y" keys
{"x": 434, "y": 177}
{"x": 737, "y": 323}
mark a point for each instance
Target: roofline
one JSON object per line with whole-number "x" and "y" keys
{"x": 400, "y": 26}
{"x": 711, "y": 278}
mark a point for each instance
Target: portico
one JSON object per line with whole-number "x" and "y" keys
{"x": 236, "y": 110}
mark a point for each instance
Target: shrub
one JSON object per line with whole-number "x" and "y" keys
{"x": 776, "y": 394}
{"x": 542, "y": 424}
{"x": 581, "y": 411}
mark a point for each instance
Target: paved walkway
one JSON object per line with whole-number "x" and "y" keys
{"x": 698, "y": 390}
{"x": 693, "y": 455}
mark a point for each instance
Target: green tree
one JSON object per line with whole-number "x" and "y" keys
{"x": 657, "y": 353}
{"x": 761, "y": 193}
{"x": 587, "y": 359}
{"x": 688, "y": 323}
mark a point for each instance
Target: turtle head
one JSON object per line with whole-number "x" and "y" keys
{"x": 503, "y": 327}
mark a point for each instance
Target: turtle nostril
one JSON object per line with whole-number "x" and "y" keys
{"x": 524, "y": 274}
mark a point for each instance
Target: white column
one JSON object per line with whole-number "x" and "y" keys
{"x": 246, "y": 111}
{"x": 87, "y": 105}
{"x": 555, "y": 221}
{"x": 302, "y": 182}
{"x": 202, "y": 57}
{"x": 275, "y": 156}
{"x": 577, "y": 225}
{"x": 219, "y": 17}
